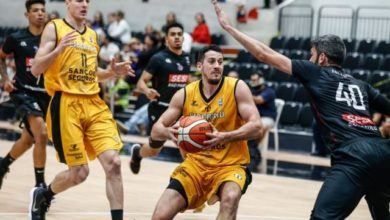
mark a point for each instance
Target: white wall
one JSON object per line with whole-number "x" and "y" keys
{"x": 137, "y": 13}
{"x": 354, "y": 4}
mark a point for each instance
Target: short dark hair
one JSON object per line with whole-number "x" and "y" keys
{"x": 31, "y": 2}
{"x": 206, "y": 49}
{"x": 173, "y": 25}
{"x": 332, "y": 46}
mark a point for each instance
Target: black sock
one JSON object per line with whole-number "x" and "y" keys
{"x": 136, "y": 153}
{"x": 49, "y": 193}
{"x": 117, "y": 214}
{"x": 7, "y": 161}
{"x": 39, "y": 176}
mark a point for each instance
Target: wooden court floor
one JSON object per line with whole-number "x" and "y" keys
{"x": 268, "y": 197}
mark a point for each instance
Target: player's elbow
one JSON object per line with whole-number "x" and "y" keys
{"x": 35, "y": 71}
{"x": 257, "y": 128}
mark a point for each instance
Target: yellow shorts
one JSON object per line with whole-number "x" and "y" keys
{"x": 202, "y": 183}
{"x": 81, "y": 126}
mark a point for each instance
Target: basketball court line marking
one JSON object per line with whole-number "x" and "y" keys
{"x": 195, "y": 215}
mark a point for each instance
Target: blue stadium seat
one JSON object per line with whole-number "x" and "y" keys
{"x": 366, "y": 46}
{"x": 230, "y": 67}
{"x": 383, "y": 47}
{"x": 277, "y": 42}
{"x": 290, "y": 114}
{"x": 286, "y": 91}
{"x": 245, "y": 71}
{"x": 361, "y": 74}
{"x": 350, "y": 45}
{"x": 278, "y": 76}
{"x": 293, "y": 43}
{"x": 301, "y": 95}
{"x": 265, "y": 69}
{"x": 352, "y": 60}
{"x": 244, "y": 57}
{"x": 306, "y": 44}
{"x": 385, "y": 64}
{"x": 305, "y": 118}
{"x": 371, "y": 61}
{"x": 298, "y": 55}
{"x": 218, "y": 39}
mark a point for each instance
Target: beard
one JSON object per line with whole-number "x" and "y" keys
{"x": 213, "y": 81}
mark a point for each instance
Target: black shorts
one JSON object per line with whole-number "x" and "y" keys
{"x": 155, "y": 110}
{"x": 29, "y": 103}
{"x": 359, "y": 168}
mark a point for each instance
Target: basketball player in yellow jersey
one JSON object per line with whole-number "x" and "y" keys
{"x": 79, "y": 122}
{"x": 218, "y": 173}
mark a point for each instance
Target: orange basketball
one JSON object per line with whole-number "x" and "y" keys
{"x": 192, "y": 133}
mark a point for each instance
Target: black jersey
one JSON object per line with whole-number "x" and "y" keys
{"x": 24, "y": 45}
{"x": 340, "y": 103}
{"x": 170, "y": 73}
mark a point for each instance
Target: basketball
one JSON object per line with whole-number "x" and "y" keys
{"x": 192, "y": 133}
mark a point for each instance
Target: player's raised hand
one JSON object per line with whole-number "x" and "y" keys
{"x": 222, "y": 17}
{"x": 152, "y": 94}
{"x": 67, "y": 41}
{"x": 122, "y": 68}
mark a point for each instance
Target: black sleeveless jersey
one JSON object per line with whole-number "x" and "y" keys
{"x": 24, "y": 45}
{"x": 341, "y": 104}
{"x": 170, "y": 73}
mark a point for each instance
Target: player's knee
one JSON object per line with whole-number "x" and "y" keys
{"x": 79, "y": 175}
{"x": 230, "y": 200}
{"x": 160, "y": 214}
{"x": 41, "y": 137}
{"x": 114, "y": 167}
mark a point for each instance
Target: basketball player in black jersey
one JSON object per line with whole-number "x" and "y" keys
{"x": 360, "y": 158}
{"x": 168, "y": 71}
{"x": 27, "y": 92}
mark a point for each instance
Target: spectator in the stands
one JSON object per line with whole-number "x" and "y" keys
{"x": 107, "y": 51}
{"x": 170, "y": 19}
{"x": 131, "y": 50}
{"x": 98, "y": 21}
{"x": 234, "y": 74}
{"x": 264, "y": 98}
{"x": 119, "y": 29}
{"x": 201, "y": 33}
{"x": 241, "y": 14}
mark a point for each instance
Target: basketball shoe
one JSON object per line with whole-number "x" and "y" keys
{"x": 135, "y": 160}
{"x": 39, "y": 204}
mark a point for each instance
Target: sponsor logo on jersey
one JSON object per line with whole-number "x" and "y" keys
{"x": 23, "y": 44}
{"x": 358, "y": 120}
{"x": 167, "y": 60}
{"x": 178, "y": 78}
{"x": 179, "y": 67}
{"x": 220, "y": 101}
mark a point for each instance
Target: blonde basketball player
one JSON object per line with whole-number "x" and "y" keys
{"x": 79, "y": 122}
{"x": 218, "y": 173}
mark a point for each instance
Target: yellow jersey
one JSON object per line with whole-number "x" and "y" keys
{"x": 220, "y": 110}
{"x": 73, "y": 71}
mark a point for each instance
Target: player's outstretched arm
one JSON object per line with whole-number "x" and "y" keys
{"x": 115, "y": 70}
{"x": 48, "y": 50}
{"x": 252, "y": 129}
{"x": 164, "y": 128}
{"x": 258, "y": 49}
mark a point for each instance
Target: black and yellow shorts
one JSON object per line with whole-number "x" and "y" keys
{"x": 81, "y": 126}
